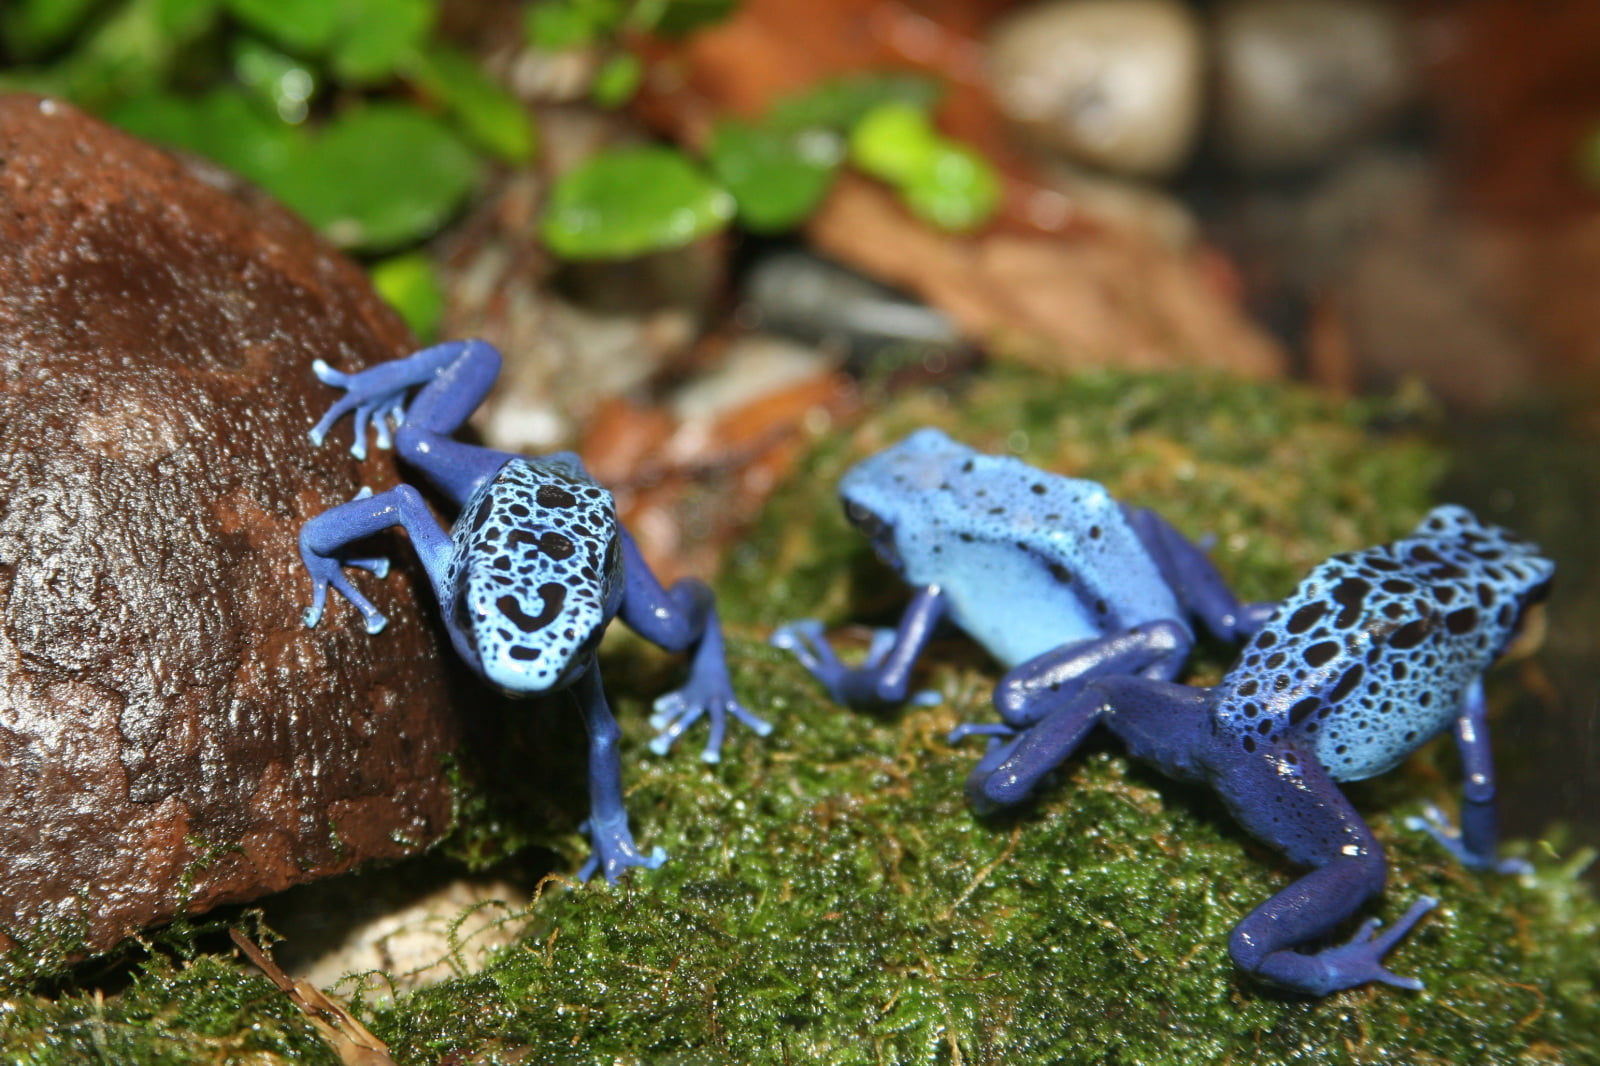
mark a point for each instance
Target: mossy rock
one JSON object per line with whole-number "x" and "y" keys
{"x": 830, "y": 897}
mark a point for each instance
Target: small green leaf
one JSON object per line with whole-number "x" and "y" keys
{"x": 410, "y": 284}
{"x": 281, "y": 82}
{"x": 777, "y": 177}
{"x": 630, "y": 201}
{"x": 185, "y": 18}
{"x": 557, "y": 25}
{"x": 674, "y": 18}
{"x": 840, "y": 104}
{"x": 490, "y": 116}
{"x": 224, "y": 126}
{"x": 380, "y": 177}
{"x": 304, "y": 26}
{"x": 894, "y": 141}
{"x": 617, "y": 80}
{"x": 956, "y": 189}
{"x": 376, "y": 36}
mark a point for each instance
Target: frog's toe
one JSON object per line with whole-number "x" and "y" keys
{"x": 328, "y": 375}
{"x": 1360, "y": 959}
{"x": 676, "y": 711}
{"x": 1439, "y": 825}
{"x": 614, "y": 853}
{"x": 978, "y": 729}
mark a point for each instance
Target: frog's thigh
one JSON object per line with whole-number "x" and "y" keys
{"x": 1285, "y": 798}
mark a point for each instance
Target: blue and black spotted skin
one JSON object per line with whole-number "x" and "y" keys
{"x": 1054, "y": 577}
{"x": 1029, "y": 560}
{"x": 1373, "y": 653}
{"x": 530, "y": 573}
{"x": 535, "y": 572}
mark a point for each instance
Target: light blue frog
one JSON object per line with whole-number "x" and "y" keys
{"x": 532, "y": 571}
{"x": 1057, "y": 580}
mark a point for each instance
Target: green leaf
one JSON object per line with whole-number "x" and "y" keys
{"x": 895, "y": 142}
{"x": 558, "y": 25}
{"x": 380, "y": 177}
{"x": 629, "y": 201}
{"x": 377, "y": 36}
{"x": 224, "y": 126}
{"x": 490, "y": 116}
{"x": 282, "y": 83}
{"x": 617, "y": 80}
{"x": 410, "y": 284}
{"x": 842, "y": 103}
{"x": 777, "y": 177}
{"x": 674, "y": 18}
{"x": 955, "y": 190}
{"x": 304, "y": 26}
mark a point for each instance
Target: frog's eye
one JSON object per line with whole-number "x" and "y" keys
{"x": 863, "y": 519}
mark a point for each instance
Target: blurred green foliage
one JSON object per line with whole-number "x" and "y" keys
{"x": 778, "y": 169}
{"x": 321, "y": 102}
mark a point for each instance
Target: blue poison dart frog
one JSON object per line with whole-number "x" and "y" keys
{"x": 527, "y": 579}
{"x": 1373, "y": 654}
{"x": 1057, "y": 580}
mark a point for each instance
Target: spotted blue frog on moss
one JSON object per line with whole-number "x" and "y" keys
{"x": 1055, "y": 578}
{"x": 532, "y": 571}
{"x": 1373, "y": 654}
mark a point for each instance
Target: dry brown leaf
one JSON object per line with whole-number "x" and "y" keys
{"x": 1053, "y": 302}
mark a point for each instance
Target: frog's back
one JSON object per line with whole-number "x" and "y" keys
{"x": 535, "y": 566}
{"x": 1030, "y": 560}
{"x": 1372, "y": 654}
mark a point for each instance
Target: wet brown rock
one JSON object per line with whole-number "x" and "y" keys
{"x": 171, "y": 736}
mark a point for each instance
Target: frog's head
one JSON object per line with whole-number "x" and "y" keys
{"x": 535, "y": 594}
{"x": 881, "y": 491}
{"x": 1509, "y": 574}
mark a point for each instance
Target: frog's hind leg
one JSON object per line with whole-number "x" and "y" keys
{"x": 1161, "y": 723}
{"x": 612, "y": 841}
{"x": 1286, "y": 798}
{"x": 1194, "y": 579}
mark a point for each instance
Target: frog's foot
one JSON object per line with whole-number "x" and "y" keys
{"x": 613, "y": 851}
{"x": 376, "y": 397}
{"x": 1359, "y": 960}
{"x": 859, "y": 686}
{"x": 1438, "y": 825}
{"x": 708, "y": 694}
{"x": 329, "y": 572}
{"x": 807, "y": 641}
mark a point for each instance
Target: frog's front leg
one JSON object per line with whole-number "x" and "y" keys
{"x": 884, "y": 679}
{"x": 323, "y": 541}
{"x": 610, "y": 838}
{"x": 1478, "y": 843}
{"x": 679, "y": 618}
{"x": 1285, "y": 798}
{"x": 1194, "y": 578}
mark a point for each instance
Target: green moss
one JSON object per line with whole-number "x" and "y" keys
{"x": 831, "y": 899}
